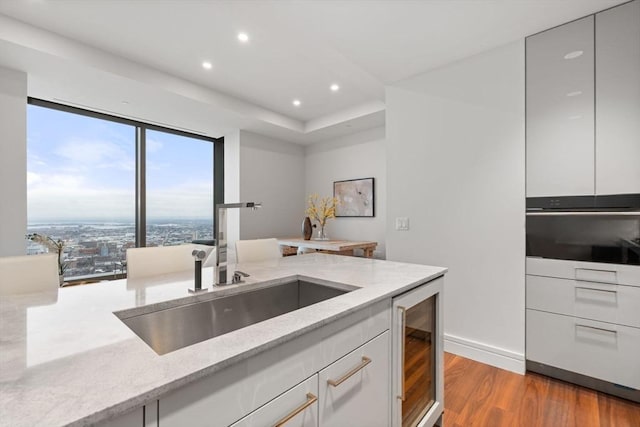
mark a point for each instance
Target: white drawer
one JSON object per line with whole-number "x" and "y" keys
{"x": 598, "y": 301}
{"x": 584, "y": 271}
{"x": 599, "y": 350}
{"x": 346, "y": 401}
{"x": 302, "y": 399}
{"x": 349, "y": 333}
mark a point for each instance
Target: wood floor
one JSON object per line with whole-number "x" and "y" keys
{"x": 480, "y": 395}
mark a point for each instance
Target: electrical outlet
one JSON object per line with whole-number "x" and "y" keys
{"x": 402, "y": 223}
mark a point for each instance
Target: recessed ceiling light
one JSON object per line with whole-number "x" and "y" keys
{"x": 574, "y": 54}
{"x": 576, "y": 117}
{"x": 297, "y": 102}
{"x": 207, "y": 65}
{"x": 243, "y": 37}
{"x": 576, "y": 93}
{"x": 125, "y": 102}
{"x": 334, "y": 87}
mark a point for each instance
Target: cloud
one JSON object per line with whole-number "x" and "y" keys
{"x": 96, "y": 154}
{"x": 33, "y": 178}
{"x": 65, "y": 197}
{"x": 153, "y": 145}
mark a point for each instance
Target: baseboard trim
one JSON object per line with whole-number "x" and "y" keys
{"x": 484, "y": 353}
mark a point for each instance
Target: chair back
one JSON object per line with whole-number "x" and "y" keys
{"x": 157, "y": 260}
{"x": 28, "y": 274}
{"x": 257, "y": 250}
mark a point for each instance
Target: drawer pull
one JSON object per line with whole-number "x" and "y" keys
{"x": 596, "y": 290}
{"x": 403, "y": 325}
{"x": 336, "y": 383}
{"x": 593, "y": 275}
{"x": 611, "y": 331}
{"x": 311, "y": 399}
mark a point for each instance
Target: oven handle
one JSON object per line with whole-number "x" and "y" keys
{"x": 583, "y": 213}
{"x": 403, "y": 310}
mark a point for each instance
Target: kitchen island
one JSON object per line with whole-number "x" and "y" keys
{"x": 67, "y": 359}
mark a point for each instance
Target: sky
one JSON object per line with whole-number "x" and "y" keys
{"x": 83, "y": 169}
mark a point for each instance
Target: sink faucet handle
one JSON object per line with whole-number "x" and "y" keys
{"x": 237, "y": 276}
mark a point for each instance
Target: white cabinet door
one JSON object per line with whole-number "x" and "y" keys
{"x": 560, "y": 110}
{"x": 297, "y": 407}
{"x": 354, "y": 391}
{"x": 618, "y": 100}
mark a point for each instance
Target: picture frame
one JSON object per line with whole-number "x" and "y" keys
{"x": 356, "y": 198}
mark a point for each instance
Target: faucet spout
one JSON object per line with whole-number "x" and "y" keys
{"x": 221, "y": 236}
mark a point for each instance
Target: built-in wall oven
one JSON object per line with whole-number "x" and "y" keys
{"x": 583, "y": 291}
{"x": 602, "y": 229}
{"x": 418, "y": 353}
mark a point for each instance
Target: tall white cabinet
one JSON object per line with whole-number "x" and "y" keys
{"x": 560, "y": 111}
{"x": 618, "y": 100}
{"x": 583, "y": 106}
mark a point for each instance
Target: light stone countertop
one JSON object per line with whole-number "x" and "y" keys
{"x": 66, "y": 359}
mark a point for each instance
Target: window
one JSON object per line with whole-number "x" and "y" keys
{"x": 82, "y": 186}
{"x": 179, "y": 189}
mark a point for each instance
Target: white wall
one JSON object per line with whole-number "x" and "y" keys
{"x": 361, "y": 155}
{"x": 456, "y": 167}
{"x": 13, "y": 162}
{"x": 271, "y": 172}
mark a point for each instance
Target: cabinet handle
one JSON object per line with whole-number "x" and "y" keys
{"x": 336, "y": 383}
{"x": 311, "y": 399}
{"x": 403, "y": 310}
{"x": 596, "y": 290}
{"x": 611, "y": 331}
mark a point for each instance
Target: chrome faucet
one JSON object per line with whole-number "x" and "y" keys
{"x": 221, "y": 238}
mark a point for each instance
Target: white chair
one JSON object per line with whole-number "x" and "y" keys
{"x": 257, "y": 250}
{"x": 154, "y": 261}
{"x": 29, "y": 274}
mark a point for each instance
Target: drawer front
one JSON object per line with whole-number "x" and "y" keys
{"x": 228, "y": 395}
{"x": 297, "y": 407}
{"x": 597, "y": 301}
{"x": 617, "y": 274}
{"x": 354, "y": 391}
{"x": 347, "y": 334}
{"x": 134, "y": 418}
{"x": 596, "y": 349}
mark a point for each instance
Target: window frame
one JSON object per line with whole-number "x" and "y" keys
{"x": 141, "y": 128}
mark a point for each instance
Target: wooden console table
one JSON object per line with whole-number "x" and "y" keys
{"x": 339, "y": 247}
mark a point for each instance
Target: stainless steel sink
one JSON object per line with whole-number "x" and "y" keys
{"x": 174, "y": 328}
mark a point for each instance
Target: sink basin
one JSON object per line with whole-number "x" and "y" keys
{"x": 174, "y": 328}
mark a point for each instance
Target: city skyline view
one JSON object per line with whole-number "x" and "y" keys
{"x": 81, "y": 181}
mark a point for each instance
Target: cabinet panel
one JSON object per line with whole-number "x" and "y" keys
{"x": 618, "y": 100}
{"x": 350, "y": 402}
{"x": 134, "y": 418}
{"x": 344, "y": 335}
{"x": 600, "y": 350}
{"x": 620, "y": 274}
{"x": 301, "y": 400}
{"x": 560, "y": 110}
{"x": 243, "y": 387}
{"x": 590, "y": 300}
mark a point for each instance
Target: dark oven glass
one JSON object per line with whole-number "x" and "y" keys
{"x": 582, "y": 236}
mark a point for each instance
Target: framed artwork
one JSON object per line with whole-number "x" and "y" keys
{"x": 355, "y": 197}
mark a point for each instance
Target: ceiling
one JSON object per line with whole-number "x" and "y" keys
{"x": 296, "y": 50}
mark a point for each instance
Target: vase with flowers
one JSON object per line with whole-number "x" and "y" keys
{"x": 320, "y": 210}
{"x": 53, "y": 246}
